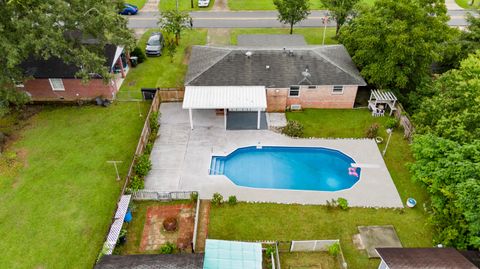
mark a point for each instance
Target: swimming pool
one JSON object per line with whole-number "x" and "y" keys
{"x": 295, "y": 168}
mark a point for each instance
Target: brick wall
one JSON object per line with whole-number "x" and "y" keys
{"x": 41, "y": 90}
{"x": 320, "y": 97}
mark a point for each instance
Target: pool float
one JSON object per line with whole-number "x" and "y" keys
{"x": 352, "y": 171}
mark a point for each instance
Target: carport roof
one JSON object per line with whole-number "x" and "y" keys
{"x": 218, "y": 97}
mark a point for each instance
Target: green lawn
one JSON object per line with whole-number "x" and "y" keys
{"x": 184, "y": 5}
{"x": 264, "y": 221}
{"x": 138, "y": 3}
{"x": 313, "y": 36}
{"x": 268, "y": 4}
{"x": 56, "y": 206}
{"x": 310, "y": 260}
{"x": 160, "y": 71}
{"x": 465, "y": 3}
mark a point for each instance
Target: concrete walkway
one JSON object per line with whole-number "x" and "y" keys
{"x": 151, "y": 6}
{"x": 181, "y": 160}
{"x": 452, "y": 5}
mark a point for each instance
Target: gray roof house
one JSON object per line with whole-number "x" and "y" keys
{"x": 262, "y": 78}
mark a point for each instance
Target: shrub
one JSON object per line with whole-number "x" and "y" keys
{"x": 232, "y": 200}
{"x": 269, "y": 250}
{"x": 168, "y": 248}
{"x": 148, "y": 148}
{"x": 217, "y": 199}
{"x": 138, "y": 52}
{"x": 293, "y": 129}
{"x": 391, "y": 123}
{"x": 194, "y": 196}
{"x": 342, "y": 203}
{"x": 372, "y": 131}
{"x": 334, "y": 249}
{"x": 143, "y": 165}
{"x": 153, "y": 121}
{"x": 136, "y": 183}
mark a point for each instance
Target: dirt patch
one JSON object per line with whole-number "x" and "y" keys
{"x": 203, "y": 220}
{"x": 220, "y": 5}
{"x": 154, "y": 236}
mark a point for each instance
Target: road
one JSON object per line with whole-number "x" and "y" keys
{"x": 251, "y": 19}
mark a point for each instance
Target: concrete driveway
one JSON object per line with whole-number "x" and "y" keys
{"x": 181, "y": 160}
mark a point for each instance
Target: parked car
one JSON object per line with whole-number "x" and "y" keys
{"x": 203, "y": 3}
{"x": 155, "y": 44}
{"x": 129, "y": 9}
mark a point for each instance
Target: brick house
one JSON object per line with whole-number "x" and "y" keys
{"x": 296, "y": 77}
{"x": 55, "y": 80}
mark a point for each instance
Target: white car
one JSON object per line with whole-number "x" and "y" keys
{"x": 203, "y": 3}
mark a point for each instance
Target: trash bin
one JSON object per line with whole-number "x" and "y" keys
{"x": 134, "y": 61}
{"x": 148, "y": 93}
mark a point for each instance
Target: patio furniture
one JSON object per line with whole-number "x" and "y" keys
{"x": 379, "y": 100}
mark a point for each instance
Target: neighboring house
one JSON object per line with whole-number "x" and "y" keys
{"x": 55, "y": 80}
{"x": 293, "y": 77}
{"x": 426, "y": 258}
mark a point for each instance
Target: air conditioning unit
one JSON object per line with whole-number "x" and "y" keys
{"x": 296, "y": 107}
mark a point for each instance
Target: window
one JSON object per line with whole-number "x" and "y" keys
{"x": 57, "y": 84}
{"x": 312, "y": 87}
{"x": 294, "y": 91}
{"x": 337, "y": 90}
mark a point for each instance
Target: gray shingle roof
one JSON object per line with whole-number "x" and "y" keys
{"x": 161, "y": 261}
{"x": 229, "y": 66}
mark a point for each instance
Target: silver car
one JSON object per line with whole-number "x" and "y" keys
{"x": 155, "y": 44}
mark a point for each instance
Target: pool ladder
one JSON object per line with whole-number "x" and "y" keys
{"x": 217, "y": 166}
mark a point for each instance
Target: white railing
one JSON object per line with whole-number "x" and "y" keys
{"x": 195, "y": 227}
{"x": 161, "y": 195}
{"x": 312, "y": 245}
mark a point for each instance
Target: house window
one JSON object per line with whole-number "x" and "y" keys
{"x": 312, "y": 87}
{"x": 337, "y": 89}
{"x": 294, "y": 91}
{"x": 57, "y": 84}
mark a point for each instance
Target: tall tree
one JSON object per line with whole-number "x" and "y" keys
{"x": 175, "y": 22}
{"x": 42, "y": 28}
{"x": 340, "y": 10}
{"x": 395, "y": 42}
{"x": 292, "y": 11}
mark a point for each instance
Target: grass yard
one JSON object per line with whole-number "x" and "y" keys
{"x": 184, "y": 5}
{"x": 465, "y": 3}
{"x": 138, "y": 3}
{"x": 57, "y": 193}
{"x": 268, "y": 4}
{"x": 313, "y": 36}
{"x": 160, "y": 71}
{"x": 267, "y": 221}
{"x": 310, "y": 260}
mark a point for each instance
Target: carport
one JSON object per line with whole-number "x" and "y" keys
{"x": 245, "y": 98}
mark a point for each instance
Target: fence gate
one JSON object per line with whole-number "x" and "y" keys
{"x": 284, "y": 246}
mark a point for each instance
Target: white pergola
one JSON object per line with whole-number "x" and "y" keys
{"x": 252, "y": 98}
{"x": 382, "y": 97}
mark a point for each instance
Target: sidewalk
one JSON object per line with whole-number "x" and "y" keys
{"x": 452, "y": 5}
{"x": 151, "y": 6}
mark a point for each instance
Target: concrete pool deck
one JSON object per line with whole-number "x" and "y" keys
{"x": 181, "y": 158}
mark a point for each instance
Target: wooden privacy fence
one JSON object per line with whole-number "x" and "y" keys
{"x": 404, "y": 121}
{"x": 171, "y": 94}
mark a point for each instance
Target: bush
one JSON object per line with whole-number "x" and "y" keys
{"x": 270, "y": 250}
{"x": 232, "y": 200}
{"x": 143, "y": 165}
{"x": 342, "y": 203}
{"x": 391, "y": 123}
{"x": 217, "y": 199}
{"x": 153, "y": 121}
{"x": 334, "y": 249}
{"x": 194, "y": 197}
{"x": 168, "y": 248}
{"x": 138, "y": 52}
{"x": 136, "y": 183}
{"x": 372, "y": 131}
{"x": 148, "y": 148}
{"x": 293, "y": 129}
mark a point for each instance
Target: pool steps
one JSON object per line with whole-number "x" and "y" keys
{"x": 217, "y": 166}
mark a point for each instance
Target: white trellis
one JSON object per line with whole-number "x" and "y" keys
{"x": 381, "y": 97}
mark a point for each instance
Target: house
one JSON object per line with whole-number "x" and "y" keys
{"x": 56, "y": 80}
{"x": 423, "y": 258}
{"x": 271, "y": 79}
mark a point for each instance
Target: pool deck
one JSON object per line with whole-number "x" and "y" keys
{"x": 181, "y": 159}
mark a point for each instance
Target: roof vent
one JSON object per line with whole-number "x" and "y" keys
{"x": 290, "y": 53}
{"x": 267, "y": 67}
{"x": 248, "y": 53}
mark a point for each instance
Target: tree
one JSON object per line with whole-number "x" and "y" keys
{"x": 340, "y": 10}
{"x": 395, "y": 42}
{"x": 452, "y": 108}
{"x": 174, "y": 22}
{"x": 171, "y": 46}
{"x": 292, "y": 11}
{"x": 58, "y": 28}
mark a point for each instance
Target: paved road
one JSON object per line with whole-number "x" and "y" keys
{"x": 250, "y": 19}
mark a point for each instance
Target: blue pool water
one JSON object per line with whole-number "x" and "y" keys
{"x": 295, "y": 168}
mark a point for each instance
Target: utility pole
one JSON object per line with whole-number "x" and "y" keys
{"x": 325, "y": 22}
{"x": 116, "y": 168}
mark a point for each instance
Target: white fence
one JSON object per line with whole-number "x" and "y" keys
{"x": 161, "y": 196}
{"x": 311, "y": 245}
